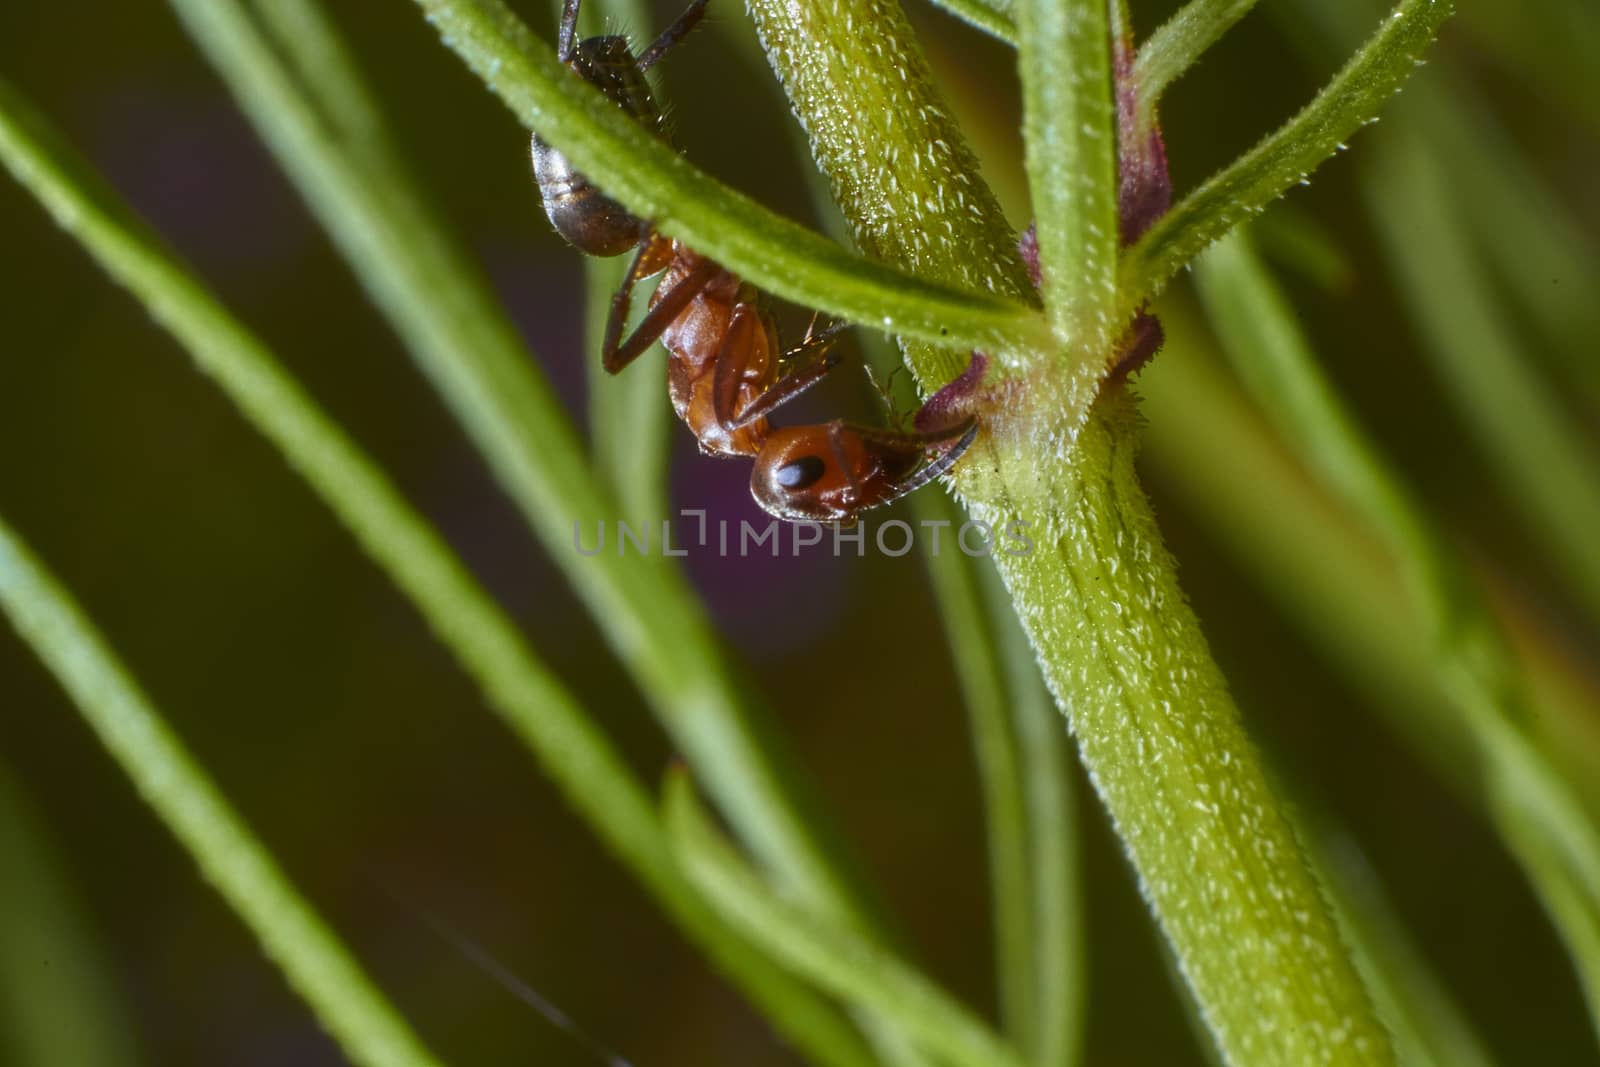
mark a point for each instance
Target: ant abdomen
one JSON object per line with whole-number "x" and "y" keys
{"x": 589, "y": 220}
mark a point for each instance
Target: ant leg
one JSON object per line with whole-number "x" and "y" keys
{"x": 963, "y": 435}
{"x": 622, "y": 299}
{"x": 669, "y": 306}
{"x": 671, "y": 35}
{"x": 732, "y": 354}
{"x": 884, "y": 387}
{"x": 567, "y": 41}
{"x": 808, "y": 364}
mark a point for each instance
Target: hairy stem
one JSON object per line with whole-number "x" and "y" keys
{"x": 1097, "y": 593}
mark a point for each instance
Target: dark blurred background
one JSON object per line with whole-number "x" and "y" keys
{"x": 359, "y": 752}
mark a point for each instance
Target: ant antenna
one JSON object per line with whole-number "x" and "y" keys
{"x": 885, "y": 390}
{"x": 513, "y": 984}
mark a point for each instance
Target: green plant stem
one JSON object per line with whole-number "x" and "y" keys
{"x": 1098, "y": 597}
{"x": 832, "y": 957}
{"x": 1162, "y": 742}
{"x": 1246, "y": 186}
{"x": 518, "y": 687}
{"x": 461, "y": 338}
{"x": 1538, "y": 816}
{"x": 316, "y": 965}
{"x": 59, "y": 1003}
{"x": 913, "y": 197}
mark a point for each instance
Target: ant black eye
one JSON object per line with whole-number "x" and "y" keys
{"x": 801, "y": 473}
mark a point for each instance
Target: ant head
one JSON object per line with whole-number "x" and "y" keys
{"x": 833, "y": 472}
{"x": 811, "y": 473}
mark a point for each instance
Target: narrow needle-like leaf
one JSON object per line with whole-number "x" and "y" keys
{"x": 654, "y": 182}
{"x": 1069, "y": 129}
{"x": 319, "y": 968}
{"x": 1177, "y": 45}
{"x": 1246, "y": 186}
{"x": 994, "y": 17}
{"x": 832, "y": 957}
{"x": 518, "y": 687}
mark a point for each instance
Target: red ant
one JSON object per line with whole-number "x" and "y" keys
{"x": 727, "y": 371}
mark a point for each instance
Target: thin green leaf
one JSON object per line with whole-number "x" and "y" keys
{"x": 518, "y": 687}
{"x": 461, "y": 338}
{"x": 1179, "y": 43}
{"x": 1019, "y": 743}
{"x": 1246, "y": 186}
{"x": 1538, "y": 246}
{"x": 630, "y": 418}
{"x": 993, "y": 17}
{"x": 319, "y": 968}
{"x": 656, "y": 183}
{"x": 1536, "y": 243}
{"x": 309, "y": 42}
{"x": 1542, "y": 460}
{"x": 1069, "y": 131}
{"x": 976, "y": 657}
{"x": 1541, "y": 820}
{"x": 58, "y": 989}
{"x": 830, "y": 956}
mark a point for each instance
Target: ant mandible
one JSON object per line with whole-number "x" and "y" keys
{"x": 726, "y": 370}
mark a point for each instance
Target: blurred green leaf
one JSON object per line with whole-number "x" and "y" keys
{"x": 312, "y": 959}
{"x": 830, "y": 956}
{"x": 59, "y": 1002}
{"x": 1542, "y": 461}
{"x": 1429, "y": 1029}
{"x": 1019, "y": 744}
{"x": 1538, "y": 817}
